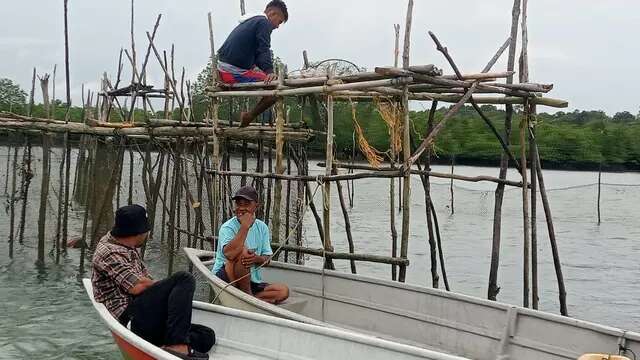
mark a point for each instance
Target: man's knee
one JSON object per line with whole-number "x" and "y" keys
{"x": 185, "y": 279}
{"x": 285, "y": 292}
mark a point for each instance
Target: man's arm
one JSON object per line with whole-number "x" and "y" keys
{"x": 118, "y": 267}
{"x": 141, "y": 285}
{"x": 236, "y": 246}
{"x": 263, "y": 49}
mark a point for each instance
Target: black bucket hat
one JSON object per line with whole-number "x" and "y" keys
{"x": 130, "y": 220}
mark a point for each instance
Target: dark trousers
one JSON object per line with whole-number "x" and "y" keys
{"x": 162, "y": 314}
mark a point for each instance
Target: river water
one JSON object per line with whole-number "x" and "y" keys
{"x": 44, "y": 312}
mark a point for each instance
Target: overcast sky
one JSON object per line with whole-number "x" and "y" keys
{"x": 587, "y": 48}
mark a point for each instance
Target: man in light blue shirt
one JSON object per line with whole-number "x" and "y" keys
{"x": 244, "y": 246}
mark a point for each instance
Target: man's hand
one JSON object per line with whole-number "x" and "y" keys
{"x": 270, "y": 77}
{"x": 247, "y": 219}
{"x": 248, "y": 258}
{"x": 141, "y": 285}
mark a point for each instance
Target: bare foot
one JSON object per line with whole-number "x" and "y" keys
{"x": 245, "y": 119}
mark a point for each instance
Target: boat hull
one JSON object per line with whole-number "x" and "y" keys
{"x": 429, "y": 318}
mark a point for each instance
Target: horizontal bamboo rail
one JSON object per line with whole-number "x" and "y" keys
{"x": 342, "y": 256}
{"x": 251, "y": 133}
{"x": 430, "y": 173}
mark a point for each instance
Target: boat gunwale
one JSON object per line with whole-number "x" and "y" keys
{"x": 122, "y": 331}
{"x": 332, "y": 332}
{"x": 604, "y": 329}
{"x": 329, "y": 331}
{"x": 192, "y": 254}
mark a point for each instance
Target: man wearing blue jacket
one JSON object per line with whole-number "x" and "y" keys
{"x": 246, "y": 54}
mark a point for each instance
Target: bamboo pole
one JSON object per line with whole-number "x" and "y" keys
{"x": 493, "y": 288}
{"x": 44, "y": 195}
{"x": 406, "y": 148}
{"x": 326, "y": 189}
{"x": 330, "y": 255}
{"x": 524, "y": 124}
{"x": 264, "y": 133}
{"x": 287, "y": 218}
{"x": 300, "y": 206}
{"x": 130, "y": 186}
{"x": 562, "y": 293}
{"x": 279, "y": 169}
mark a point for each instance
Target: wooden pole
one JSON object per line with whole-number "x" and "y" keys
{"x": 426, "y": 184}
{"x": 214, "y": 115}
{"x": 599, "y": 188}
{"x": 67, "y": 177}
{"x": 453, "y": 161}
{"x": 396, "y": 51}
{"x": 347, "y": 222}
{"x": 493, "y": 289}
{"x": 44, "y": 195}
{"x": 524, "y": 131}
{"x": 326, "y": 189}
{"x": 24, "y": 187}
{"x": 12, "y": 199}
{"x": 533, "y": 148}
{"x": 172, "y": 212}
{"x": 66, "y": 59}
{"x": 61, "y": 205}
{"x": 89, "y": 196}
{"x": 53, "y": 90}
{"x": 7, "y": 172}
{"x": 406, "y": 149}
{"x": 562, "y": 293}
{"x": 32, "y": 93}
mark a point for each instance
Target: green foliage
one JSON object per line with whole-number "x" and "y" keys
{"x": 12, "y": 97}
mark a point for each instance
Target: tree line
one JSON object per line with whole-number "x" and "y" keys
{"x": 568, "y": 140}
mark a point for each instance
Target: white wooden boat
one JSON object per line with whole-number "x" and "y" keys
{"x": 429, "y": 318}
{"x": 246, "y": 335}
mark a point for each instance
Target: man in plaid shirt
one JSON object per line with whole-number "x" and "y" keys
{"x": 159, "y": 311}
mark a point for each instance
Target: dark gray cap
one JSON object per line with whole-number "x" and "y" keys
{"x": 247, "y": 193}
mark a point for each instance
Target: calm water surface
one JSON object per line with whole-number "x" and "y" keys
{"x": 44, "y": 312}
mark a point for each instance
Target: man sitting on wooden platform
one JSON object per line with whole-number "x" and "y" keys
{"x": 244, "y": 246}
{"x": 246, "y": 54}
{"x": 159, "y": 311}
